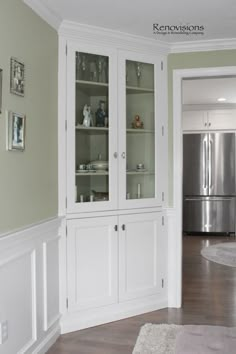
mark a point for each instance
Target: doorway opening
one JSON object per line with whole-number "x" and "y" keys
{"x": 179, "y": 77}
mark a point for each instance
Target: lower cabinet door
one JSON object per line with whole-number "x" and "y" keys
{"x": 92, "y": 264}
{"x": 142, "y": 253}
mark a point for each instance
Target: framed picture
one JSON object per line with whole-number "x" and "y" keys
{"x": 16, "y": 131}
{"x": 17, "y": 85}
{"x": 0, "y": 90}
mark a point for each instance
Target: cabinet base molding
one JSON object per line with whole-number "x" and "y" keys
{"x": 71, "y": 322}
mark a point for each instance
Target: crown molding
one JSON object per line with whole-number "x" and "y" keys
{"x": 208, "y": 106}
{"x": 75, "y": 30}
{"x": 203, "y": 46}
{"x": 83, "y": 32}
{"x": 44, "y": 12}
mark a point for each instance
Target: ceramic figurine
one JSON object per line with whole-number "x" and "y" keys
{"x": 101, "y": 115}
{"x": 137, "y": 123}
{"x": 88, "y": 120}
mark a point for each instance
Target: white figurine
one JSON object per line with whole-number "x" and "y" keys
{"x": 88, "y": 121}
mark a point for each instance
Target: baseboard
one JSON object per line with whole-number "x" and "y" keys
{"x": 83, "y": 319}
{"x": 48, "y": 341}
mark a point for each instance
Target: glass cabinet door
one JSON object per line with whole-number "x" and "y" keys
{"x": 140, "y": 130}
{"x": 91, "y": 124}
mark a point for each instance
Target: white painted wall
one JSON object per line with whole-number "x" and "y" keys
{"x": 29, "y": 293}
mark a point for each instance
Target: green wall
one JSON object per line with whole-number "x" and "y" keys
{"x": 28, "y": 180}
{"x": 187, "y": 61}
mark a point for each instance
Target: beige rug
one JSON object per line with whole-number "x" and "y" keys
{"x": 222, "y": 253}
{"x": 189, "y": 339}
{"x": 158, "y": 339}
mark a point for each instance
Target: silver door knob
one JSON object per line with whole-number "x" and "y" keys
{"x": 115, "y": 155}
{"x": 209, "y": 124}
{"x": 123, "y": 155}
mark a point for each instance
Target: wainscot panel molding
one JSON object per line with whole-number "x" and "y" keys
{"x": 172, "y": 257}
{"x": 29, "y": 299}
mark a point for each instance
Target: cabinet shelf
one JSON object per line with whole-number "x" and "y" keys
{"x": 140, "y": 172}
{"x": 92, "y": 130}
{"x": 92, "y": 88}
{"x": 102, "y": 173}
{"x": 138, "y": 131}
{"x": 134, "y": 89}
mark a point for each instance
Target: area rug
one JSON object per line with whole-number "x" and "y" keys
{"x": 222, "y": 253}
{"x": 189, "y": 339}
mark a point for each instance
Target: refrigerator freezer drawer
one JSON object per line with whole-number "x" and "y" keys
{"x": 209, "y": 214}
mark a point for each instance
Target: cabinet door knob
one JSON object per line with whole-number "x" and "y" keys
{"x": 205, "y": 124}
{"x": 123, "y": 227}
{"x": 115, "y": 155}
{"x": 123, "y": 155}
{"x": 209, "y": 124}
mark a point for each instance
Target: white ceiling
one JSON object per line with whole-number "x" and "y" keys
{"x": 137, "y": 16}
{"x": 206, "y": 91}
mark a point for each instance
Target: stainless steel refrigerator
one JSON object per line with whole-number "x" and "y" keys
{"x": 209, "y": 182}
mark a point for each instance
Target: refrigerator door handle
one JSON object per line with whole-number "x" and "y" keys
{"x": 210, "y": 163}
{"x": 204, "y": 164}
{"x": 207, "y": 199}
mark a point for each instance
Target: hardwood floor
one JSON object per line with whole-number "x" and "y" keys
{"x": 209, "y": 297}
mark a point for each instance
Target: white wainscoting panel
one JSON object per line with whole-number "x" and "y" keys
{"x": 28, "y": 270}
{"x": 50, "y": 268}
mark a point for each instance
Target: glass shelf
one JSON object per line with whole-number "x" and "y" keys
{"x": 92, "y": 130}
{"x": 92, "y": 88}
{"x": 140, "y": 172}
{"x": 139, "y": 131}
{"x": 136, "y": 90}
{"x": 95, "y": 174}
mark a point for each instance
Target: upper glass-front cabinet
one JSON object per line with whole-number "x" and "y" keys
{"x": 91, "y": 171}
{"x": 140, "y": 129}
{"x": 140, "y": 132}
{"x": 99, "y": 119}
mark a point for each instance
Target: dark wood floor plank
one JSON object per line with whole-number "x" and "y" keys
{"x": 209, "y": 297}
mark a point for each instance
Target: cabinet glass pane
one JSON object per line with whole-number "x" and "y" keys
{"x": 140, "y": 128}
{"x": 91, "y": 128}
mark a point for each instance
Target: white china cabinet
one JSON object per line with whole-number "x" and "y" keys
{"x": 115, "y": 247}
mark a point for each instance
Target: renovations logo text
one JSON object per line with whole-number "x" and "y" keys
{"x": 188, "y": 29}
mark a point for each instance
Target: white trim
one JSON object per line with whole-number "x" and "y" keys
{"x": 175, "y": 267}
{"x": 87, "y": 33}
{"x": 40, "y": 226}
{"x": 203, "y": 46}
{"x": 46, "y": 13}
{"x": 48, "y": 341}
{"x": 105, "y": 36}
{"x": 93, "y": 317}
{"x": 208, "y": 107}
{"x": 47, "y": 324}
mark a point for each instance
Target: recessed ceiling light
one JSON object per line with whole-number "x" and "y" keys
{"x": 221, "y": 99}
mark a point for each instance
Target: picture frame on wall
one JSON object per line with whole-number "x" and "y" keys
{"x": 17, "y": 84}
{"x": 0, "y": 91}
{"x": 16, "y": 131}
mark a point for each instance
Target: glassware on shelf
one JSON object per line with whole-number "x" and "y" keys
{"x": 83, "y": 67}
{"x": 102, "y": 68}
{"x": 93, "y": 71}
{"x": 138, "y": 71}
{"x": 78, "y": 65}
